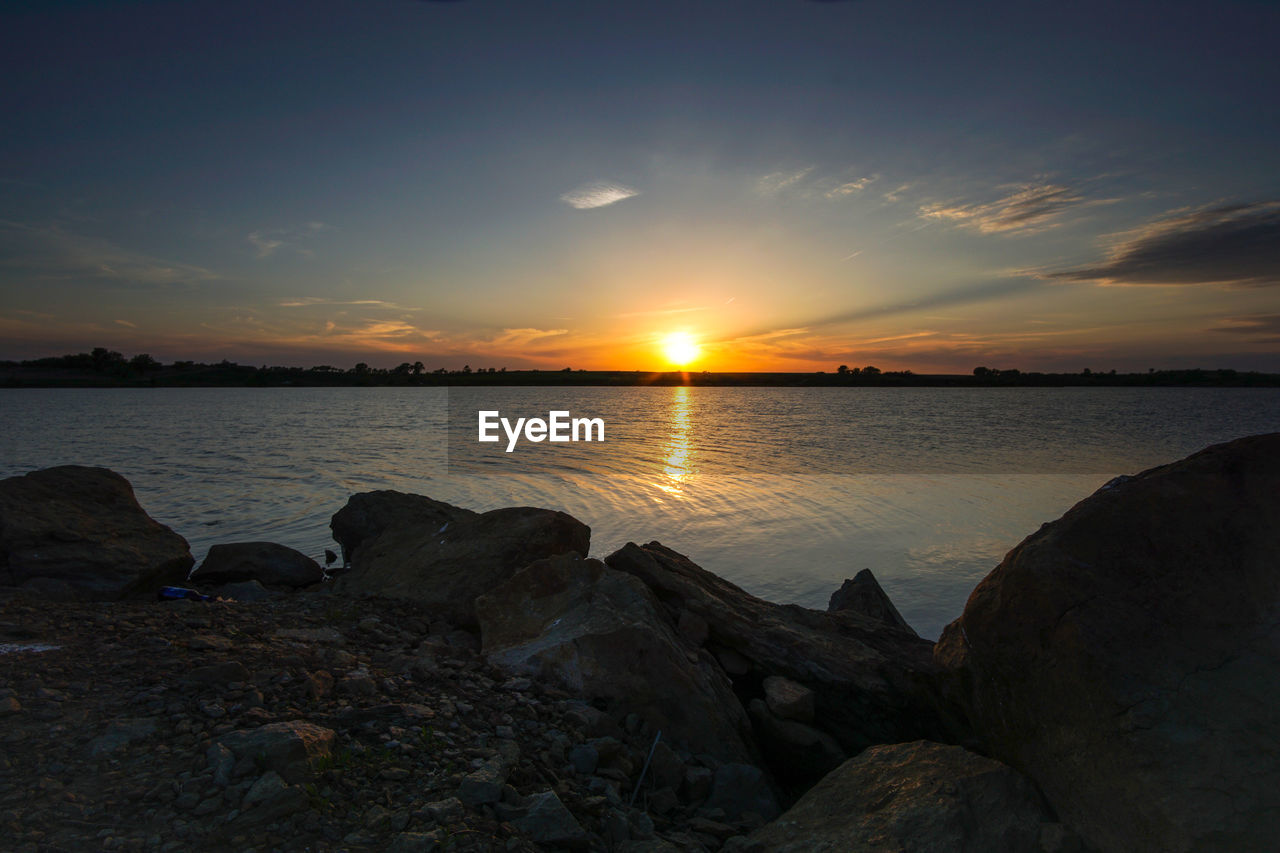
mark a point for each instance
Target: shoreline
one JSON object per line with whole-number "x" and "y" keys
{"x": 471, "y": 682}
{"x": 14, "y": 375}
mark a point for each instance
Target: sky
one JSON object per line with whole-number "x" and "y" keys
{"x": 793, "y": 185}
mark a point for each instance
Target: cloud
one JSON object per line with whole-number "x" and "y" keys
{"x": 1263, "y": 328}
{"x": 265, "y": 246}
{"x": 1029, "y": 208}
{"x": 775, "y": 182}
{"x": 51, "y": 253}
{"x": 1236, "y": 245}
{"x": 524, "y": 337}
{"x": 895, "y": 194}
{"x": 945, "y": 299}
{"x": 597, "y": 194}
{"x": 268, "y": 240}
{"x": 851, "y": 187}
{"x": 308, "y": 301}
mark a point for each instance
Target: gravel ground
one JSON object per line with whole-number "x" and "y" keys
{"x": 314, "y": 722}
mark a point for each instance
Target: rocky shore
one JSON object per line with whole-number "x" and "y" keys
{"x": 473, "y": 681}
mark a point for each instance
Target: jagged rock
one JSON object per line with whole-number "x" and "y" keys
{"x": 79, "y": 533}
{"x": 268, "y": 785}
{"x": 265, "y": 562}
{"x": 269, "y": 799}
{"x": 410, "y": 546}
{"x": 788, "y": 700}
{"x": 289, "y": 748}
{"x": 547, "y": 821}
{"x": 483, "y": 785}
{"x": 446, "y": 811}
{"x": 597, "y": 633}
{"x": 873, "y": 683}
{"x": 862, "y": 594}
{"x": 1127, "y": 656}
{"x": 911, "y": 796}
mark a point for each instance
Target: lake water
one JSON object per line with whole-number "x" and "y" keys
{"x": 784, "y": 491}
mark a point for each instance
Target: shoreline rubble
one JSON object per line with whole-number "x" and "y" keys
{"x": 474, "y": 682}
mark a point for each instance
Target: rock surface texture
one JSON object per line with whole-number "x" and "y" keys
{"x": 911, "y": 796}
{"x": 1127, "y": 656}
{"x": 265, "y": 562}
{"x": 598, "y": 633}
{"x": 871, "y": 682}
{"x": 410, "y": 546}
{"x": 78, "y": 533}
{"x": 862, "y": 594}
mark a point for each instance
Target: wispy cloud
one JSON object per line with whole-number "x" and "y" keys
{"x": 267, "y": 241}
{"x": 811, "y": 183}
{"x": 895, "y": 194}
{"x": 1262, "y": 328}
{"x": 775, "y": 182}
{"x": 524, "y": 337}
{"x": 850, "y": 187}
{"x": 51, "y": 253}
{"x": 1028, "y": 208}
{"x": 970, "y": 295}
{"x": 308, "y": 301}
{"x": 266, "y": 246}
{"x": 1235, "y": 245}
{"x": 598, "y": 194}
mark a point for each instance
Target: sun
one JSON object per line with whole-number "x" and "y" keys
{"x": 680, "y": 348}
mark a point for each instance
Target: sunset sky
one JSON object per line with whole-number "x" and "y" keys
{"x": 795, "y": 185}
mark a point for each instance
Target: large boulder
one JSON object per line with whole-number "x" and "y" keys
{"x": 79, "y": 533}
{"x": 598, "y": 634}
{"x": 265, "y": 562}
{"x": 368, "y": 514}
{"x": 872, "y": 682}
{"x": 409, "y": 546}
{"x": 912, "y": 796}
{"x": 1127, "y": 656}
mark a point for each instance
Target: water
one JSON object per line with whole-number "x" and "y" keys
{"x": 784, "y": 491}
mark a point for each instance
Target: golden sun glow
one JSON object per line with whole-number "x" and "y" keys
{"x": 680, "y": 348}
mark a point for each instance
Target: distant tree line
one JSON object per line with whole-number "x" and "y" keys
{"x": 108, "y": 368}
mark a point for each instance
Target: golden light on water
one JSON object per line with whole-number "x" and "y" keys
{"x": 677, "y": 452}
{"x": 680, "y": 348}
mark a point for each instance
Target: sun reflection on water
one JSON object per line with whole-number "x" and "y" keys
{"x": 677, "y": 450}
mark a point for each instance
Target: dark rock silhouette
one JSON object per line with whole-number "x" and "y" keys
{"x": 266, "y": 562}
{"x": 872, "y": 683}
{"x": 862, "y": 594}
{"x": 73, "y": 532}
{"x": 410, "y": 546}
{"x": 599, "y": 634}
{"x": 1127, "y": 656}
